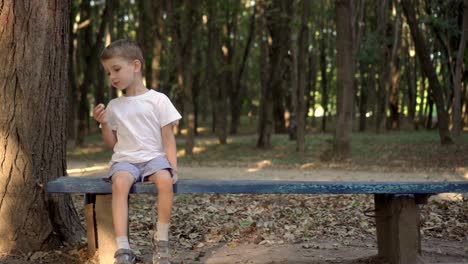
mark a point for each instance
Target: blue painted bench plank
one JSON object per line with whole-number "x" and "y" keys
{"x": 99, "y": 186}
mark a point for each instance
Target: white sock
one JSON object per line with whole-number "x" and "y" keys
{"x": 162, "y": 232}
{"x": 122, "y": 242}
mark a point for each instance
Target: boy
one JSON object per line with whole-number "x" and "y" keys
{"x": 138, "y": 127}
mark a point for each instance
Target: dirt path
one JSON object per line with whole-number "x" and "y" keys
{"x": 263, "y": 172}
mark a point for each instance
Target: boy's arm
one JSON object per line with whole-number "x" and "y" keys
{"x": 108, "y": 135}
{"x": 170, "y": 148}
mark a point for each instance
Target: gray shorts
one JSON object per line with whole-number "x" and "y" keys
{"x": 141, "y": 171}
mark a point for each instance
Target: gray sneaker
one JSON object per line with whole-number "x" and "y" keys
{"x": 161, "y": 253}
{"x": 124, "y": 256}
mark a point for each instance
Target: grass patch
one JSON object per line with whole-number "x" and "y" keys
{"x": 406, "y": 149}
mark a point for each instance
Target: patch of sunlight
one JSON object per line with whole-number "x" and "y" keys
{"x": 183, "y": 131}
{"x": 210, "y": 141}
{"x": 463, "y": 171}
{"x": 319, "y": 111}
{"x": 89, "y": 150}
{"x": 309, "y": 165}
{"x": 260, "y": 165}
{"x": 88, "y": 169}
{"x": 196, "y": 150}
{"x": 449, "y": 196}
{"x": 181, "y": 153}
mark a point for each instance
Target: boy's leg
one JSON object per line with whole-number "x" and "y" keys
{"x": 122, "y": 181}
{"x": 163, "y": 182}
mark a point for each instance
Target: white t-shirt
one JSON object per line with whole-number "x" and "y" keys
{"x": 138, "y": 121}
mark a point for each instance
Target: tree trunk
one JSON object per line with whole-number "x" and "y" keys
{"x": 395, "y": 75}
{"x": 363, "y": 99}
{"x": 33, "y": 83}
{"x": 72, "y": 94}
{"x": 423, "y": 54}
{"x": 85, "y": 59}
{"x": 90, "y": 68}
{"x": 182, "y": 26}
{"x": 215, "y": 85}
{"x": 457, "y": 82}
{"x": 384, "y": 67}
{"x": 311, "y": 85}
{"x": 279, "y": 26}
{"x": 301, "y": 58}
{"x": 345, "y": 77}
{"x": 238, "y": 89}
{"x": 158, "y": 29}
{"x": 410, "y": 76}
{"x": 277, "y": 29}
{"x": 265, "y": 124}
{"x": 324, "y": 78}
{"x": 145, "y": 37}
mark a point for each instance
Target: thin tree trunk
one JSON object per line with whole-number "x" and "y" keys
{"x": 99, "y": 93}
{"x": 158, "y": 28}
{"x": 395, "y": 75}
{"x": 145, "y": 37}
{"x": 345, "y": 68}
{"x": 215, "y": 85}
{"x": 345, "y": 77}
{"x": 457, "y": 85}
{"x": 238, "y": 91}
{"x": 384, "y": 67}
{"x": 265, "y": 124}
{"x": 33, "y": 85}
{"x": 301, "y": 58}
{"x": 363, "y": 101}
{"x": 72, "y": 115}
{"x": 410, "y": 72}
{"x": 423, "y": 54}
{"x": 311, "y": 86}
{"x": 324, "y": 78}
{"x": 182, "y": 30}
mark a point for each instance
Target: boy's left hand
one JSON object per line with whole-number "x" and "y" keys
{"x": 175, "y": 177}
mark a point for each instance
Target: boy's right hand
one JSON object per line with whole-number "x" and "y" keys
{"x": 100, "y": 114}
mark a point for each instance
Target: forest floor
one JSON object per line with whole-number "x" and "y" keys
{"x": 269, "y": 228}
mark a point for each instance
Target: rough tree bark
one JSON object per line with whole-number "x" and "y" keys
{"x": 34, "y": 39}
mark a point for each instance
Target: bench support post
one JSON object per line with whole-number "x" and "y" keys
{"x": 398, "y": 237}
{"x": 105, "y": 229}
{"x": 90, "y": 219}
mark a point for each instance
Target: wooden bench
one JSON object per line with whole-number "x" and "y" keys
{"x": 396, "y": 206}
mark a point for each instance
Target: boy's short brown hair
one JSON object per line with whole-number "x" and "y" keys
{"x": 123, "y": 48}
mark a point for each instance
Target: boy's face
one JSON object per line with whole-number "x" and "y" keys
{"x": 121, "y": 71}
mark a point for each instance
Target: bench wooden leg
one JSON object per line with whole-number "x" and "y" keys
{"x": 90, "y": 219}
{"x": 397, "y": 219}
{"x": 105, "y": 229}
